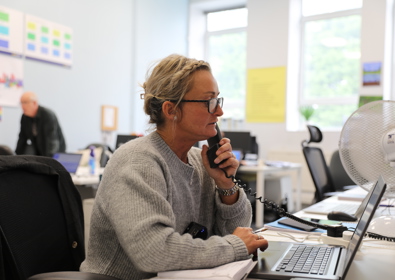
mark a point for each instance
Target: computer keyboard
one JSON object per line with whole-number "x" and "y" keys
{"x": 347, "y": 208}
{"x": 306, "y": 259}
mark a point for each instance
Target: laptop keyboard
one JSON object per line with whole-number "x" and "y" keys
{"x": 348, "y": 208}
{"x": 306, "y": 259}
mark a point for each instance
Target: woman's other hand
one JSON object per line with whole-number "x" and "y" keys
{"x": 252, "y": 240}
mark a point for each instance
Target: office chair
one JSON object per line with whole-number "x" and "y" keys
{"x": 318, "y": 168}
{"x": 340, "y": 178}
{"x": 41, "y": 221}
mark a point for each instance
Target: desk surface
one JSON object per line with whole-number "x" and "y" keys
{"x": 268, "y": 169}
{"x": 374, "y": 260}
{"x": 83, "y": 177}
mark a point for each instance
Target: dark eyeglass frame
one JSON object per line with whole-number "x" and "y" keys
{"x": 220, "y": 102}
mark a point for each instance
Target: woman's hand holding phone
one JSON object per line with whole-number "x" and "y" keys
{"x": 227, "y": 163}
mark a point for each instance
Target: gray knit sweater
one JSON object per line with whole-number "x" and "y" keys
{"x": 146, "y": 199}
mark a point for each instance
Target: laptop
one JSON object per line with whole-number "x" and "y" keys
{"x": 353, "y": 208}
{"x": 122, "y": 139}
{"x": 271, "y": 264}
{"x": 70, "y": 161}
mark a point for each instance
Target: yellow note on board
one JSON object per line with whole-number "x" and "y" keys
{"x": 266, "y": 95}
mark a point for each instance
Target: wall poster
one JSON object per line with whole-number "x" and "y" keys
{"x": 48, "y": 41}
{"x": 11, "y": 31}
{"x": 11, "y": 80}
{"x": 266, "y": 88}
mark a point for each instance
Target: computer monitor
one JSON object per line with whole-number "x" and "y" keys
{"x": 123, "y": 138}
{"x": 242, "y": 140}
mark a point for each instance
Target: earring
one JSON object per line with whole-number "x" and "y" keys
{"x": 175, "y": 118}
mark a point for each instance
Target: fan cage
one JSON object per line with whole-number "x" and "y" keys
{"x": 360, "y": 145}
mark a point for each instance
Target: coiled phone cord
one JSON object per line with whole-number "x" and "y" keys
{"x": 272, "y": 205}
{"x": 282, "y": 213}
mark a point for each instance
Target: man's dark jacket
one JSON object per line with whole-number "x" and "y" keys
{"x": 49, "y": 139}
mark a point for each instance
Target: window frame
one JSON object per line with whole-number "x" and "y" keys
{"x": 302, "y": 101}
{"x": 208, "y": 34}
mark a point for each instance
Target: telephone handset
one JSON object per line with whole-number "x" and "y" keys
{"x": 213, "y": 143}
{"x": 213, "y": 147}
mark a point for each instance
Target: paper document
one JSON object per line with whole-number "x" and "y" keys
{"x": 234, "y": 271}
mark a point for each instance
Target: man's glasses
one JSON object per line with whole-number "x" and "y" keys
{"x": 212, "y": 103}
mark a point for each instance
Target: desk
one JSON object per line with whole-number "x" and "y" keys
{"x": 261, "y": 170}
{"x": 85, "y": 182}
{"x": 374, "y": 260}
{"x": 82, "y": 180}
{"x": 83, "y": 177}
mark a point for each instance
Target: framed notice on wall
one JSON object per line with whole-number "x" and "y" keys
{"x": 109, "y": 118}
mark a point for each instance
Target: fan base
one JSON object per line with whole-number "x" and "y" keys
{"x": 384, "y": 225}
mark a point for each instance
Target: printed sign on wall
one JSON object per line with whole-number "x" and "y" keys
{"x": 11, "y": 31}
{"x": 48, "y": 41}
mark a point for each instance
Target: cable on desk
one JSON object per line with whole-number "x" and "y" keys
{"x": 272, "y": 205}
{"x": 296, "y": 239}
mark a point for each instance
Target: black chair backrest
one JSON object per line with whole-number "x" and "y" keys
{"x": 316, "y": 162}
{"x": 319, "y": 171}
{"x": 339, "y": 175}
{"x": 41, "y": 218}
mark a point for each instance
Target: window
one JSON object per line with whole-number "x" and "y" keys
{"x": 226, "y": 44}
{"x": 330, "y": 60}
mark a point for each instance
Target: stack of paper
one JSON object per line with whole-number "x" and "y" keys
{"x": 231, "y": 271}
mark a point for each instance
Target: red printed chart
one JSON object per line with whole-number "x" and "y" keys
{"x": 11, "y": 80}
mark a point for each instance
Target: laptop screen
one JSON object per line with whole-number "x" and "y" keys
{"x": 363, "y": 223}
{"x": 69, "y": 161}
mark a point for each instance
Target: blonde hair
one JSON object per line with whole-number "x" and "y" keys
{"x": 169, "y": 80}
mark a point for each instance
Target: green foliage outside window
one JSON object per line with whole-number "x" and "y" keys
{"x": 227, "y": 57}
{"x": 332, "y": 68}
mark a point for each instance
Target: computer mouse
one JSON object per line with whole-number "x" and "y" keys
{"x": 341, "y": 216}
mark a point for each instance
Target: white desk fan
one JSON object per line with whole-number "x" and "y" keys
{"x": 367, "y": 150}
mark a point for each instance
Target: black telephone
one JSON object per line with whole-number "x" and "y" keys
{"x": 213, "y": 144}
{"x": 213, "y": 147}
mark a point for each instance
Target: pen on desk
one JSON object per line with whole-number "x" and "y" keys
{"x": 386, "y": 205}
{"x": 259, "y": 230}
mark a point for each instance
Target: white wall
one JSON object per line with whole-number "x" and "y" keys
{"x": 113, "y": 42}
{"x": 161, "y": 28}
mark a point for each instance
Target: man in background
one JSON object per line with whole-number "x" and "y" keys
{"x": 40, "y": 132}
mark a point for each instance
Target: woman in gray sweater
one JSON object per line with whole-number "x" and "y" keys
{"x": 153, "y": 187}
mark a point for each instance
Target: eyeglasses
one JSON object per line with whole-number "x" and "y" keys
{"x": 212, "y": 103}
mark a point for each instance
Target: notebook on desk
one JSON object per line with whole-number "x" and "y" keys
{"x": 277, "y": 261}
{"x": 70, "y": 161}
